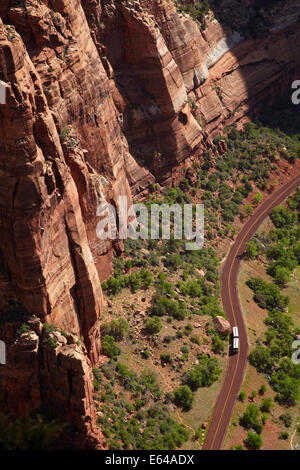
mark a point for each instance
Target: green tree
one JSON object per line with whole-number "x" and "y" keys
{"x": 267, "y": 405}
{"x": 282, "y": 275}
{"x": 251, "y": 250}
{"x": 283, "y": 217}
{"x": 262, "y": 390}
{"x": 248, "y": 209}
{"x": 116, "y": 328}
{"x": 250, "y": 416}
{"x": 110, "y": 347}
{"x": 257, "y": 198}
{"x": 253, "y": 441}
{"x": 261, "y": 358}
{"x": 166, "y": 358}
{"x": 237, "y": 447}
{"x": 242, "y": 395}
{"x": 202, "y": 375}
{"x": 183, "y": 397}
{"x": 153, "y": 325}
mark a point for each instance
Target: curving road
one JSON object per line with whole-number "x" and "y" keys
{"x": 237, "y": 363}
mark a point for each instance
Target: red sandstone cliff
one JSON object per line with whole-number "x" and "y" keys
{"x": 102, "y": 97}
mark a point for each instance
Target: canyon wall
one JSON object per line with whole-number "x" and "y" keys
{"x": 102, "y": 99}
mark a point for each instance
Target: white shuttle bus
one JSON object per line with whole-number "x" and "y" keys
{"x": 235, "y": 334}
{"x": 235, "y": 346}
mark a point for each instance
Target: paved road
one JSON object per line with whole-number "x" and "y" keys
{"x": 237, "y": 363}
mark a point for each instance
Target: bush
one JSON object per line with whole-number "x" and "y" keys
{"x": 267, "y": 405}
{"x": 284, "y": 435}
{"x": 285, "y": 380}
{"x": 97, "y": 378}
{"x": 116, "y": 328}
{"x": 202, "y": 375}
{"x": 195, "y": 339}
{"x": 183, "y": 397}
{"x": 262, "y": 390}
{"x": 110, "y": 347}
{"x": 261, "y": 359}
{"x": 251, "y": 250}
{"x": 166, "y": 358}
{"x": 286, "y": 419}
{"x": 153, "y": 325}
{"x": 253, "y": 441}
{"x": 161, "y": 305}
{"x": 267, "y": 294}
{"x": 218, "y": 346}
{"x": 257, "y": 198}
{"x": 282, "y": 217}
{"x": 250, "y": 416}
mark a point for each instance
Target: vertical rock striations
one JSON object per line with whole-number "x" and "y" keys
{"x": 102, "y": 97}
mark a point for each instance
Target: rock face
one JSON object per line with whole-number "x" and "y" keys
{"x": 101, "y": 99}
{"x": 222, "y": 325}
{"x": 50, "y": 369}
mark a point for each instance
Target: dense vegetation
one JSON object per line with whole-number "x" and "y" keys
{"x": 272, "y": 354}
{"x": 197, "y": 10}
{"x": 132, "y": 413}
{"x": 31, "y": 432}
{"x": 180, "y": 285}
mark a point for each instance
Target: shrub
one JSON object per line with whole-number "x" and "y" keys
{"x": 267, "y": 294}
{"x": 267, "y": 405}
{"x": 257, "y": 198}
{"x": 116, "y": 328}
{"x": 161, "y": 305}
{"x": 242, "y": 395}
{"x": 24, "y": 328}
{"x": 168, "y": 339}
{"x": 166, "y": 358}
{"x": 146, "y": 353}
{"x": 202, "y": 375}
{"x": 262, "y": 389}
{"x": 286, "y": 419}
{"x": 110, "y": 347}
{"x": 261, "y": 359}
{"x": 218, "y": 346}
{"x": 283, "y": 217}
{"x": 64, "y": 133}
{"x": 97, "y": 378}
{"x": 251, "y": 250}
{"x": 183, "y": 397}
{"x": 253, "y": 441}
{"x": 238, "y": 447}
{"x": 250, "y": 416}
{"x": 285, "y": 381}
{"x": 195, "y": 339}
{"x": 153, "y": 325}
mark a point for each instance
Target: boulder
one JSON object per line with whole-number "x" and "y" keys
{"x": 222, "y": 325}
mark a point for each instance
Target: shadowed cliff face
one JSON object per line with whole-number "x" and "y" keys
{"x": 102, "y": 97}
